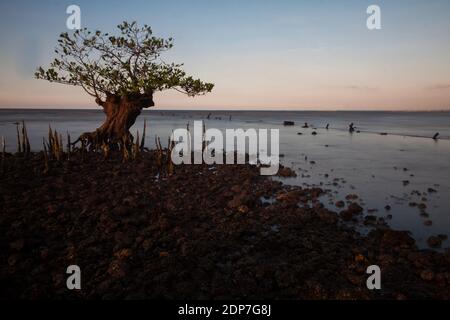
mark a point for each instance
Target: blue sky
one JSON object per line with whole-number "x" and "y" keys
{"x": 285, "y": 54}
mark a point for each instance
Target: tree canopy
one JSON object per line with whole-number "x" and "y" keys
{"x": 123, "y": 64}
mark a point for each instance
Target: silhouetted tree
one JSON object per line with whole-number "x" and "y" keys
{"x": 122, "y": 72}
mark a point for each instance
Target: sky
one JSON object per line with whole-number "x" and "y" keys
{"x": 260, "y": 54}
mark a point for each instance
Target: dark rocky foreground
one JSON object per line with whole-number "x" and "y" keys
{"x": 202, "y": 232}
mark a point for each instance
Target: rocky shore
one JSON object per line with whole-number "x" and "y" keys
{"x": 203, "y": 232}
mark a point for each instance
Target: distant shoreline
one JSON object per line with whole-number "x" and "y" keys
{"x": 156, "y": 109}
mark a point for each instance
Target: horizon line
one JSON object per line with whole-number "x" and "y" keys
{"x": 271, "y": 109}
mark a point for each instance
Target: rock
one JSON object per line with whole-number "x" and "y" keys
{"x": 392, "y": 238}
{"x": 234, "y": 203}
{"x": 236, "y": 188}
{"x": 289, "y": 123}
{"x": 368, "y": 220}
{"x": 117, "y": 269}
{"x": 441, "y": 279}
{"x": 315, "y": 192}
{"x": 388, "y": 208}
{"x": 52, "y": 209}
{"x": 243, "y": 209}
{"x": 17, "y": 245}
{"x": 314, "y": 133}
{"x": 122, "y": 210}
{"x": 44, "y": 252}
{"x": 352, "y": 210}
{"x": 381, "y": 221}
{"x": 346, "y": 215}
{"x": 286, "y": 172}
{"x": 422, "y": 206}
{"x": 123, "y": 254}
{"x": 290, "y": 196}
{"x": 443, "y": 237}
{"x": 359, "y": 258}
{"x": 147, "y": 245}
{"x": 164, "y": 254}
{"x": 434, "y": 242}
{"x": 328, "y": 217}
{"x": 355, "y": 279}
{"x": 431, "y": 190}
{"x": 427, "y": 275}
{"x": 238, "y": 200}
{"x": 12, "y": 260}
{"x": 355, "y": 208}
{"x": 340, "y": 204}
{"x": 318, "y": 206}
{"x": 351, "y": 197}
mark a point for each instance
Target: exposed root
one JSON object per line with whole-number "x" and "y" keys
{"x": 97, "y": 140}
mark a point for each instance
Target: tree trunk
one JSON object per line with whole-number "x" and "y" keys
{"x": 121, "y": 113}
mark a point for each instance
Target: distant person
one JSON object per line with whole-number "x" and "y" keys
{"x": 305, "y": 125}
{"x": 436, "y": 136}
{"x": 328, "y": 126}
{"x": 230, "y": 118}
{"x": 351, "y": 128}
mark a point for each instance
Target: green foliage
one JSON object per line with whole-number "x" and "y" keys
{"x": 127, "y": 63}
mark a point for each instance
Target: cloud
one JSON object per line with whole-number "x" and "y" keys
{"x": 360, "y": 88}
{"x": 439, "y": 87}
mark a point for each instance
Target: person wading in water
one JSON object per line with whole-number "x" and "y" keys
{"x": 351, "y": 128}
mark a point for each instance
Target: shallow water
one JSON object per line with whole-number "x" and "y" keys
{"x": 368, "y": 164}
